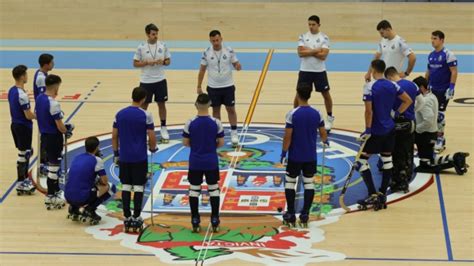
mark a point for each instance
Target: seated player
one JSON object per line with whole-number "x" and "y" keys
{"x": 82, "y": 188}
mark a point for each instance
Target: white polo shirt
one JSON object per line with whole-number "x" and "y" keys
{"x": 157, "y": 51}
{"x": 394, "y": 51}
{"x": 313, "y": 41}
{"x": 219, "y": 66}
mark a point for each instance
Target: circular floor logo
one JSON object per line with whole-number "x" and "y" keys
{"x": 252, "y": 193}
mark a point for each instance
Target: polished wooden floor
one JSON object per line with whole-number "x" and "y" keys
{"x": 412, "y": 228}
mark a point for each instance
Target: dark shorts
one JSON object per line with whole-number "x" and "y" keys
{"x": 380, "y": 143}
{"x": 442, "y": 101}
{"x": 294, "y": 169}
{"x": 91, "y": 198}
{"x": 53, "y": 146}
{"x": 22, "y": 136}
{"x": 318, "y": 79}
{"x": 158, "y": 89}
{"x": 219, "y": 96}
{"x": 133, "y": 173}
{"x": 195, "y": 177}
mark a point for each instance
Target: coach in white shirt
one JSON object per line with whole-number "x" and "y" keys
{"x": 313, "y": 49}
{"x": 152, "y": 56}
{"x": 220, "y": 60}
{"x": 393, "y": 49}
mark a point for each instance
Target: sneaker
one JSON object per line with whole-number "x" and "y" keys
{"x": 440, "y": 145}
{"x": 234, "y": 137}
{"x": 329, "y": 123}
{"x": 164, "y": 133}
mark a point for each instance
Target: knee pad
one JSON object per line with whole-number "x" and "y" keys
{"x": 362, "y": 164}
{"x": 308, "y": 183}
{"x": 290, "y": 182}
{"x": 138, "y": 188}
{"x": 194, "y": 191}
{"x": 387, "y": 161}
{"x": 127, "y": 187}
{"x": 441, "y": 121}
{"x": 22, "y": 156}
{"x": 54, "y": 171}
{"x": 213, "y": 190}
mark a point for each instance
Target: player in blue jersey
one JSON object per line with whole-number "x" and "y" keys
{"x": 131, "y": 127}
{"x": 87, "y": 184}
{"x": 46, "y": 63}
{"x": 22, "y": 128}
{"x": 404, "y": 133}
{"x": 299, "y": 141}
{"x": 441, "y": 74}
{"x": 379, "y": 98}
{"x": 203, "y": 134}
{"x": 52, "y": 128}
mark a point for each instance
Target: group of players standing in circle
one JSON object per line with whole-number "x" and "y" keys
{"x": 398, "y": 113}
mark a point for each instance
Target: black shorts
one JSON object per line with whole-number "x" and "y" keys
{"x": 442, "y": 101}
{"x": 294, "y": 169}
{"x": 158, "y": 89}
{"x": 22, "y": 136}
{"x": 53, "y": 146}
{"x": 195, "y": 177}
{"x": 380, "y": 143}
{"x": 90, "y": 200}
{"x": 225, "y": 96}
{"x": 133, "y": 173}
{"x": 319, "y": 79}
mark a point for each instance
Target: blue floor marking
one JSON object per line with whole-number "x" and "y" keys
{"x": 447, "y": 238}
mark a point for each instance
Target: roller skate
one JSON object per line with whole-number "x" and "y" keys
{"x": 440, "y": 144}
{"x": 401, "y": 184}
{"x": 137, "y": 224}
{"x": 73, "y": 213}
{"x": 25, "y": 187}
{"x": 195, "y": 221}
{"x": 90, "y": 216}
{"x": 303, "y": 221}
{"x": 165, "y": 137}
{"x": 371, "y": 201}
{"x": 329, "y": 123}
{"x": 127, "y": 224}
{"x": 382, "y": 202}
{"x": 289, "y": 219}
{"x": 54, "y": 201}
{"x": 459, "y": 161}
{"x": 234, "y": 138}
{"x": 215, "y": 223}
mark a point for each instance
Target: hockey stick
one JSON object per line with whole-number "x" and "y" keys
{"x": 37, "y": 182}
{"x": 150, "y": 178}
{"x": 348, "y": 179}
{"x": 322, "y": 182}
{"x": 65, "y": 161}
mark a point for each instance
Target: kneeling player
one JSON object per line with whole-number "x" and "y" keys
{"x": 302, "y": 124}
{"x": 203, "y": 134}
{"x": 82, "y": 189}
{"x": 426, "y": 134}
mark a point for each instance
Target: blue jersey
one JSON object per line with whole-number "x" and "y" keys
{"x": 305, "y": 121}
{"x": 19, "y": 102}
{"x": 85, "y": 168}
{"x": 203, "y": 132}
{"x": 48, "y": 111}
{"x": 39, "y": 84}
{"x": 438, "y": 67}
{"x": 412, "y": 90}
{"x": 132, "y": 124}
{"x": 382, "y": 93}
